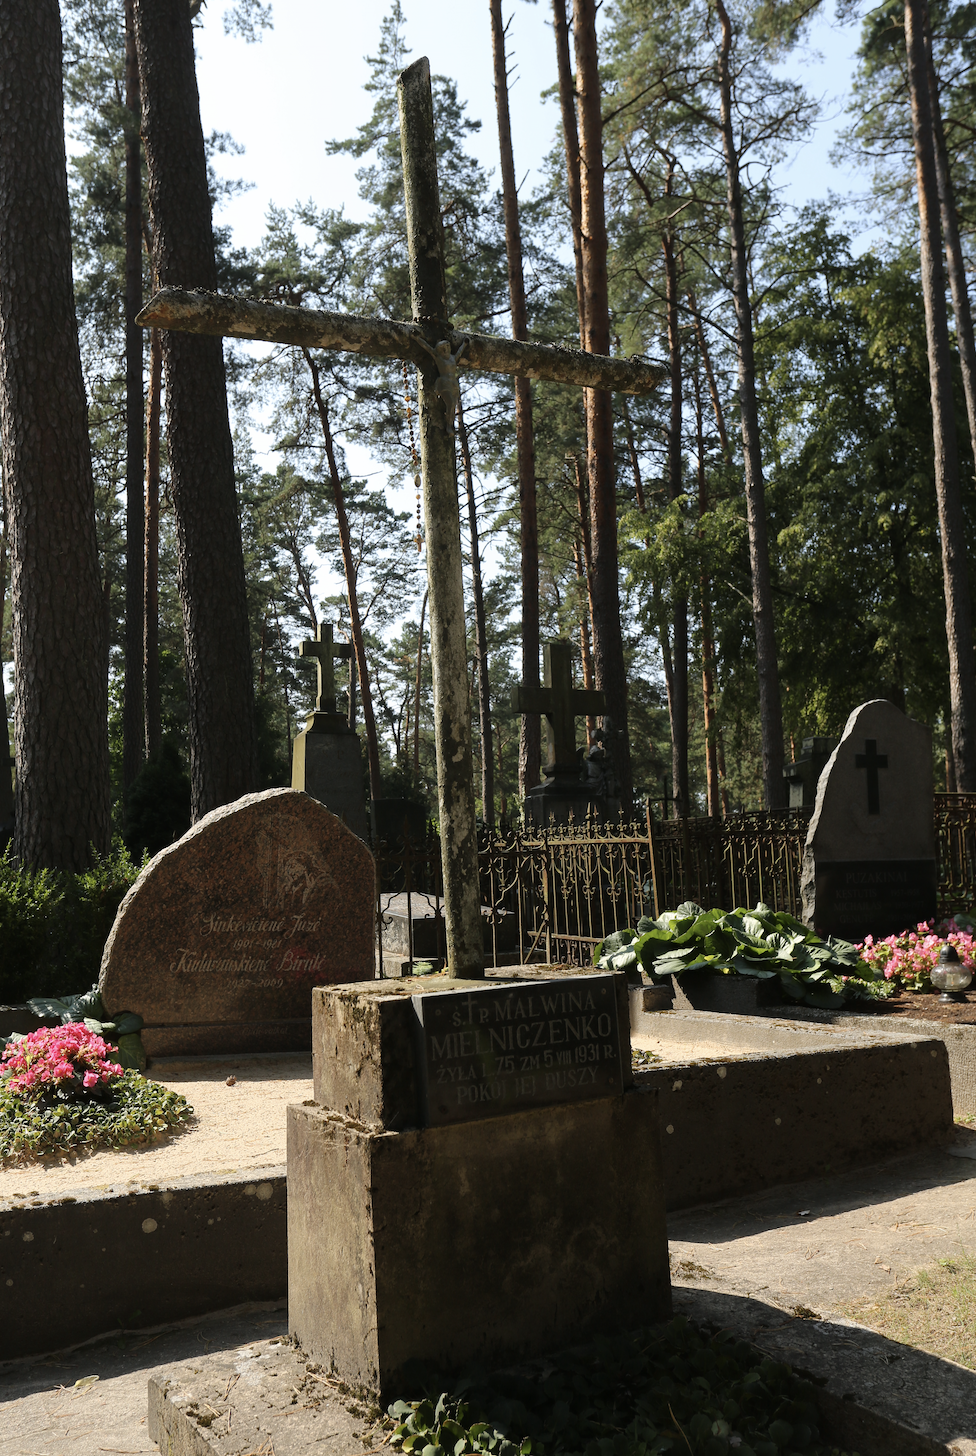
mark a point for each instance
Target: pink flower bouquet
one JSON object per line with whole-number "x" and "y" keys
{"x": 907, "y": 959}
{"x": 70, "y": 1062}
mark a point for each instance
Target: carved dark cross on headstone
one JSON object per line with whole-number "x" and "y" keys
{"x": 561, "y": 703}
{"x": 872, "y": 760}
{"x": 422, "y": 342}
{"x": 325, "y": 651}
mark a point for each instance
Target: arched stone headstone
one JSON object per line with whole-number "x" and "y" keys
{"x": 869, "y": 860}
{"x": 220, "y": 940}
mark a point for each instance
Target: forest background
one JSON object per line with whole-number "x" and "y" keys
{"x": 843, "y": 418}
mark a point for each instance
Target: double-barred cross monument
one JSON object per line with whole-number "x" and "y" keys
{"x": 423, "y": 343}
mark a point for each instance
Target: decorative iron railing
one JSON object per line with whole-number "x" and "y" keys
{"x": 553, "y": 894}
{"x": 955, "y": 852}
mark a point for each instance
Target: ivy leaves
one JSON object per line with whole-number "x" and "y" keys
{"x": 674, "y": 1388}
{"x": 440, "y": 1428}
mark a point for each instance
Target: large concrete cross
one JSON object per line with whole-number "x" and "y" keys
{"x": 325, "y": 651}
{"x": 423, "y": 343}
{"x": 561, "y": 703}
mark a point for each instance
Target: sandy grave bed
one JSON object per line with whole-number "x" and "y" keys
{"x": 703, "y": 1049}
{"x": 234, "y": 1128}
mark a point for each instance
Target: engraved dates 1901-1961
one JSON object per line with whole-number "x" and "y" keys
{"x": 500, "y": 1048}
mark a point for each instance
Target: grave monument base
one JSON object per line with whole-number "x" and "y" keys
{"x": 327, "y": 764}
{"x": 565, "y": 797}
{"x": 484, "y": 1240}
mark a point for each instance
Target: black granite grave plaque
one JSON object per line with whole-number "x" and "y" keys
{"x": 875, "y": 897}
{"x": 498, "y": 1049}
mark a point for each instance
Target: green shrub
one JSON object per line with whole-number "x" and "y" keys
{"x": 53, "y": 926}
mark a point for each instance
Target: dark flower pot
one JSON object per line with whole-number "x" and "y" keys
{"x": 737, "y": 995}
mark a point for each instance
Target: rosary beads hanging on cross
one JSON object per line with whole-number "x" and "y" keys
{"x": 438, "y": 351}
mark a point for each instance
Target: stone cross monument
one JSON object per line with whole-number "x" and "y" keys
{"x": 325, "y": 652}
{"x": 327, "y": 760}
{"x": 565, "y": 791}
{"x": 423, "y": 343}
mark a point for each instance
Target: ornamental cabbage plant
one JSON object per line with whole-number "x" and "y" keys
{"x": 819, "y": 971}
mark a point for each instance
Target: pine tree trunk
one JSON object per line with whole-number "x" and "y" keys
{"x": 583, "y": 510}
{"x": 770, "y": 709}
{"x": 6, "y": 762}
{"x": 706, "y": 357}
{"x": 355, "y": 621}
{"x": 567, "y": 111}
{"x": 530, "y": 753}
{"x": 962, "y": 664}
{"x": 133, "y": 706}
{"x": 210, "y": 562}
{"x": 678, "y": 699}
{"x": 955, "y": 261}
{"x": 608, "y": 651}
{"x": 418, "y": 681}
{"x": 481, "y": 633}
{"x": 60, "y": 646}
{"x": 150, "y": 614}
{"x": 586, "y": 654}
{"x": 713, "y": 800}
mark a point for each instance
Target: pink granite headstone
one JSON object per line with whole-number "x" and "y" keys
{"x": 222, "y": 937}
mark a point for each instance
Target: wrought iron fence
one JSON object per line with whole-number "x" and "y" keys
{"x": 553, "y": 894}
{"x": 955, "y": 852}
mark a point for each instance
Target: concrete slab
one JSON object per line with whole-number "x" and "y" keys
{"x": 821, "y": 1246}
{"x": 85, "y": 1265}
{"x": 92, "y": 1399}
{"x": 959, "y": 1041}
{"x": 744, "y": 1264}
{"x": 193, "y": 1222}
{"x": 876, "y": 1397}
{"x": 749, "y": 1102}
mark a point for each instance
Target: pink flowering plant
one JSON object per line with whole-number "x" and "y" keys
{"x": 907, "y": 960}
{"x": 61, "y": 1090}
{"x": 69, "y": 1062}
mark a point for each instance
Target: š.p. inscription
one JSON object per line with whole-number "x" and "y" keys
{"x": 498, "y": 1049}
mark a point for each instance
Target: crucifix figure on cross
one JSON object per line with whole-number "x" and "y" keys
{"x": 325, "y": 652}
{"x": 423, "y": 342}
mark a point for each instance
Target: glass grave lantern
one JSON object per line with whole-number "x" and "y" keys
{"x": 950, "y": 976}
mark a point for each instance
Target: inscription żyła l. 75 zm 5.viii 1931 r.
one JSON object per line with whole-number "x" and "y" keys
{"x": 497, "y": 1049}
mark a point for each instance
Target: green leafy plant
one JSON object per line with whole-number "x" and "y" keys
{"x": 765, "y": 943}
{"x": 53, "y": 926}
{"x": 60, "y": 1091}
{"x": 673, "y": 1388}
{"x": 137, "y": 1111}
{"x": 122, "y": 1029}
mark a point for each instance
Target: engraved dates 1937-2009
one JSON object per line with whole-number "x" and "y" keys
{"x": 500, "y": 1048}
